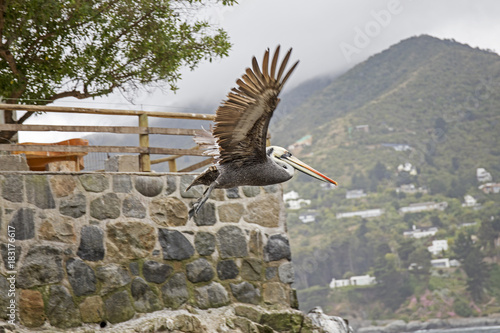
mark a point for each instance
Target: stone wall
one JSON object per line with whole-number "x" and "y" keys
{"x": 99, "y": 248}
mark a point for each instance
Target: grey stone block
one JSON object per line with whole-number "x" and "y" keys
{"x": 42, "y": 265}
{"x": 112, "y": 276}
{"x": 94, "y": 182}
{"x": 81, "y": 277}
{"x": 119, "y": 308}
{"x": 199, "y": 270}
{"x": 91, "y": 243}
{"x": 245, "y": 292}
{"x": 145, "y": 300}
{"x": 286, "y": 273}
{"x": 227, "y": 269}
{"x": 204, "y": 243}
{"x": 232, "y": 242}
{"x": 122, "y": 183}
{"x": 13, "y": 188}
{"x": 213, "y": 295}
{"x": 277, "y": 248}
{"x": 156, "y": 272}
{"x": 174, "y": 291}
{"x": 23, "y": 223}
{"x": 61, "y": 309}
{"x": 149, "y": 186}
{"x": 13, "y": 163}
{"x": 105, "y": 207}
{"x": 76, "y": 206}
{"x": 132, "y": 207}
{"x": 175, "y": 245}
{"x": 38, "y": 191}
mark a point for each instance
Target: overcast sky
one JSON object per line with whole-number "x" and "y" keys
{"x": 327, "y": 36}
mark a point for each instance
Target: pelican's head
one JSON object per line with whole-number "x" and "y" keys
{"x": 285, "y": 159}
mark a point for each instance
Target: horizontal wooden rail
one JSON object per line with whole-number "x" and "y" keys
{"x": 173, "y": 157}
{"x": 159, "y": 114}
{"x": 197, "y": 165}
{"x": 143, "y": 130}
{"x": 105, "y": 149}
{"x": 107, "y": 129}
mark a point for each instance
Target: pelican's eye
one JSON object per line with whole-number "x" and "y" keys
{"x": 285, "y": 155}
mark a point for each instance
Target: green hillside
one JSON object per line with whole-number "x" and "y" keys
{"x": 439, "y": 102}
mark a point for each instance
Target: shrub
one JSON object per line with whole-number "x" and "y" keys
{"x": 461, "y": 308}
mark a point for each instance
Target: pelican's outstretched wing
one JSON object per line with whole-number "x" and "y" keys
{"x": 206, "y": 141}
{"x": 242, "y": 120}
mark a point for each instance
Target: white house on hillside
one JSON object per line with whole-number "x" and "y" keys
{"x": 445, "y": 263}
{"x": 483, "y": 176}
{"x": 309, "y": 216}
{"x": 469, "y": 201}
{"x": 293, "y": 201}
{"x": 490, "y": 188}
{"x": 423, "y": 206}
{"x": 361, "y": 280}
{"x": 419, "y": 233}
{"x": 292, "y": 195}
{"x": 438, "y": 246}
{"x": 355, "y": 194}
{"x": 362, "y": 213}
{"x": 407, "y": 167}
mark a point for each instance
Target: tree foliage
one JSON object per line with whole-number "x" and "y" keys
{"x": 477, "y": 273}
{"x": 52, "y": 49}
{"x": 462, "y": 246}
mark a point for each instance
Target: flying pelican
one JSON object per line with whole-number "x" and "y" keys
{"x": 238, "y": 139}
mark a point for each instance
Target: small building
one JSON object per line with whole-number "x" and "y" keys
{"x": 355, "y": 194}
{"x": 293, "y": 201}
{"x": 292, "y": 195}
{"x": 489, "y": 188}
{"x": 467, "y": 224}
{"x": 361, "y": 280}
{"x": 298, "y": 204}
{"x": 339, "y": 283}
{"x": 438, "y": 246}
{"x": 362, "y": 213}
{"x": 483, "y": 176}
{"x": 407, "y": 167}
{"x": 410, "y": 189}
{"x": 308, "y": 217}
{"x": 420, "y": 232}
{"x": 363, "y": 128}
{"x": 423, "y": 206}
{"x": 441, "y": 263}
{"x": 469, "y": 201}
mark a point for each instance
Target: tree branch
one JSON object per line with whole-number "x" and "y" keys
{"x": 3, "y": 9}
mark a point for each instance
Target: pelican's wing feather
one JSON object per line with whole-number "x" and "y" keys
{"x": 206, "y": 141}
{"x": 242, "y": 120}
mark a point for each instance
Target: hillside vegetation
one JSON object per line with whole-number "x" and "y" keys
{"x": 429, "y": 102}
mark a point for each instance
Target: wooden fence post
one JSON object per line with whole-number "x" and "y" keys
{"x": 172, "y": 166}
{"x": 144, "y": 158}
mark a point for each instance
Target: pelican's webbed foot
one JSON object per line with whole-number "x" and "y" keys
{"x": 198, "y": 204}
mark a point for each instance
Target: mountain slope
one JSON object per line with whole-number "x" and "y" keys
{"x": 430, "y": 102}
{"x": 432, "y": 94}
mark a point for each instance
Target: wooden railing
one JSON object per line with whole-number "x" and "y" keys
{"x": 143, "y": 130}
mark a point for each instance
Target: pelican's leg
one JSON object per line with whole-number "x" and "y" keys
{"x": 198, "y": 204}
